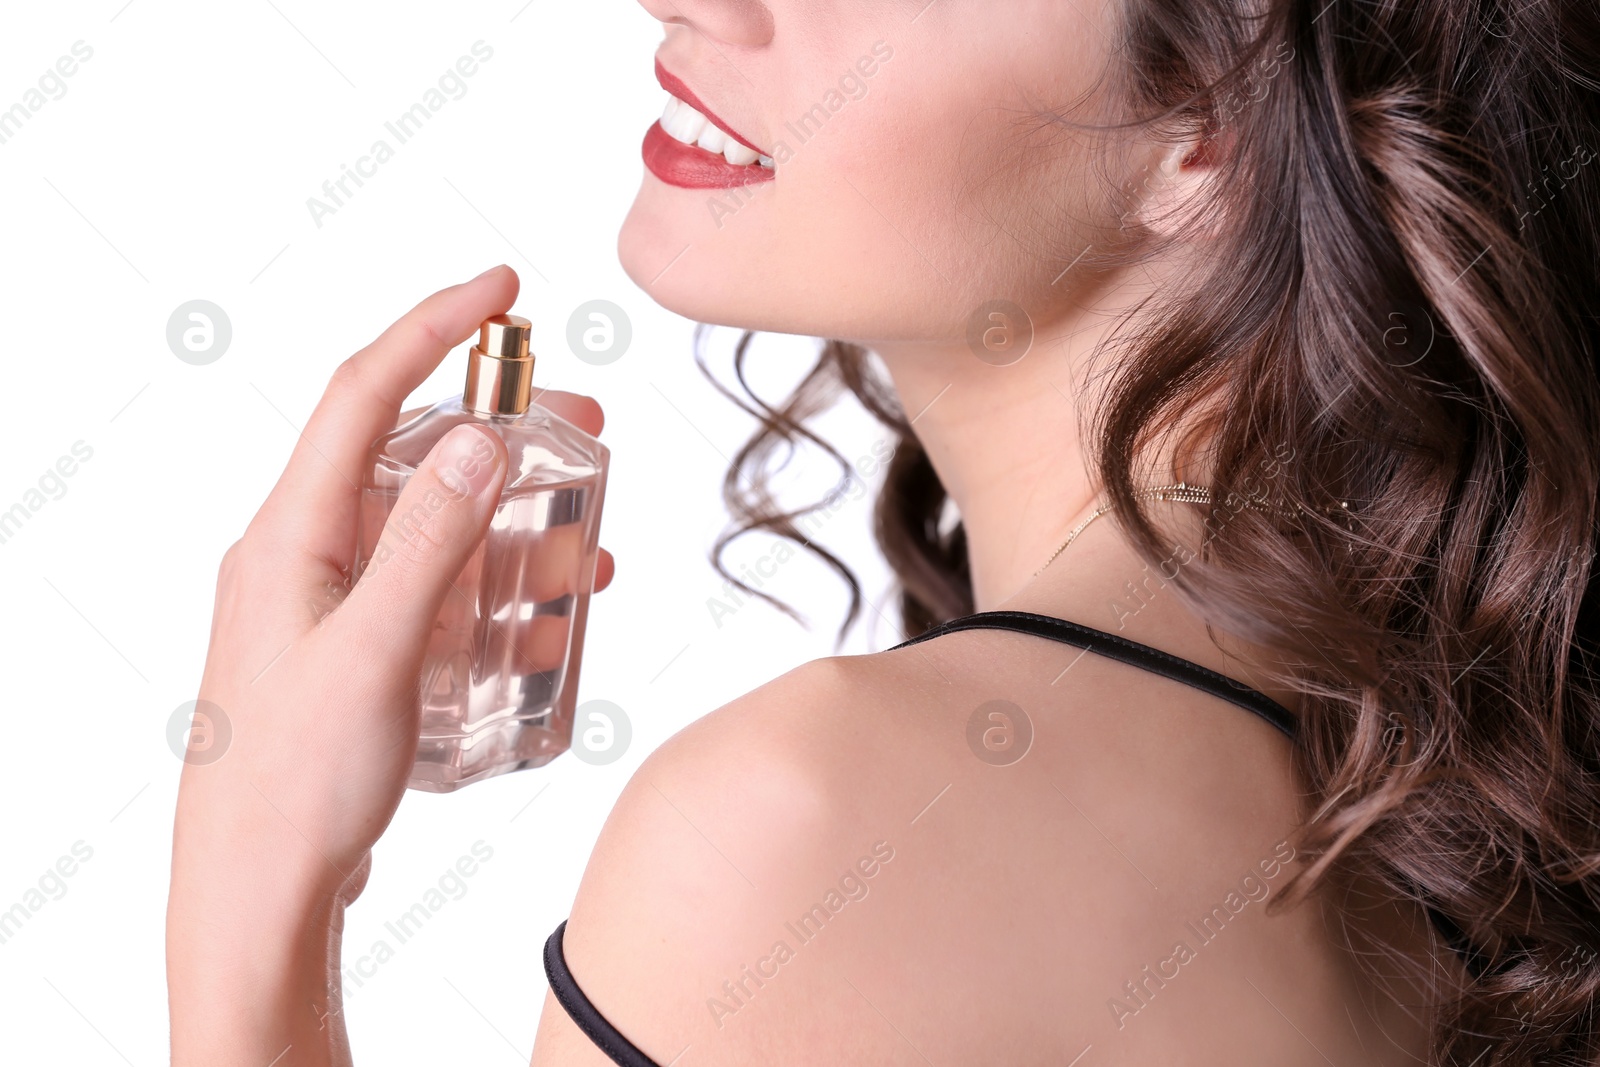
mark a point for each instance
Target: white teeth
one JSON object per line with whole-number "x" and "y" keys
{"x": 712, "y": 139}
{"x": 685, "y": 124}
{"x": 738, "y": 154}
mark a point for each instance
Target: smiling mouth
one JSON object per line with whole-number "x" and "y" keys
{"x": 684, "y": 123}
{"x": 690, "y": 147}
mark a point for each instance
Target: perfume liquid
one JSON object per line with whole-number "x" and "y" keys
{"x": 500, "y": 678}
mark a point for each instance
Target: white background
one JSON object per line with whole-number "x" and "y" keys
{"x": 177, "y": 166}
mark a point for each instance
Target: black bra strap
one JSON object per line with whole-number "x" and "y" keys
{"x": 1124, "y": 651}
{"x": 607, "y": 1038}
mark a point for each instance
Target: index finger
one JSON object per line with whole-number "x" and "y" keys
{"x": 319, "y": 491}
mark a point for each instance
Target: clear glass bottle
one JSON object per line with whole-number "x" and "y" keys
{"x": 500, "y": 679}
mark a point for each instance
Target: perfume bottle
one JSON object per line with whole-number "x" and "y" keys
{"x": 500, "y": 679}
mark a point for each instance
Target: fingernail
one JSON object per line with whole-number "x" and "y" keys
{"x": 466, "y": 460}
{"x": 491, "y": 270}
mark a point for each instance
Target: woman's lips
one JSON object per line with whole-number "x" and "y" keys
{"x": 691, "y": 148}
{"x": 689, "y": 166}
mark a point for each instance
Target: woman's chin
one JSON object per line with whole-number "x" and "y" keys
{"x": 753, "y": 272}
{"x": 667, "y": 253}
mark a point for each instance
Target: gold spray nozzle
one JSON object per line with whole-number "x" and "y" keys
{"x": 500, "y": 368}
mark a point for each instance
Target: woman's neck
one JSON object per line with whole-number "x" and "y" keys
{"x": 1006, "y": 443}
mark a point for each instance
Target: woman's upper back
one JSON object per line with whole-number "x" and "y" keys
{"x": 984, "y": 848}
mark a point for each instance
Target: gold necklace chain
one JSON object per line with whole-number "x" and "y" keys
{"x": 1182, "y": 492}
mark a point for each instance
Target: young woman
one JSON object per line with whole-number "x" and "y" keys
{"x": 1254, "y": 338}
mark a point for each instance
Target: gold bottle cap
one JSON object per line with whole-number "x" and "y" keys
{"x": 500, "y": 368}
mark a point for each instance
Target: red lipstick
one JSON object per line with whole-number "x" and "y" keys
{"x": 689, "y": 166}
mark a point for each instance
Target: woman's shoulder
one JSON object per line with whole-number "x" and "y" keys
{"x": 941, "y": 851}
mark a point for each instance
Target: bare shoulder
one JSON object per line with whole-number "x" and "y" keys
{"x": 962, "y": 851}
{"x": 690, "y": 929}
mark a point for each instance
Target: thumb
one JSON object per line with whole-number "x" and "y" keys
{"x": 435, "y": 527}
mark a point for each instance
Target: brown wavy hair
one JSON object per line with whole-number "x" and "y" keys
{"x": 1409, "y": 209}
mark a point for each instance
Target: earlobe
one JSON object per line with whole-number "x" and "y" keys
{"x": 1198, "y": 156}
{"x": 1176, "y": 192}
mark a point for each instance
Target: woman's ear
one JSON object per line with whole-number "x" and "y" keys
{"x": 1176, "y": 194}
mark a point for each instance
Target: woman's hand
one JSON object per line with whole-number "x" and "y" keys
{"x": 312, "y": 690}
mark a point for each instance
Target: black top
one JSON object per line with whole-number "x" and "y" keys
{"x": 622, "y": 1051}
